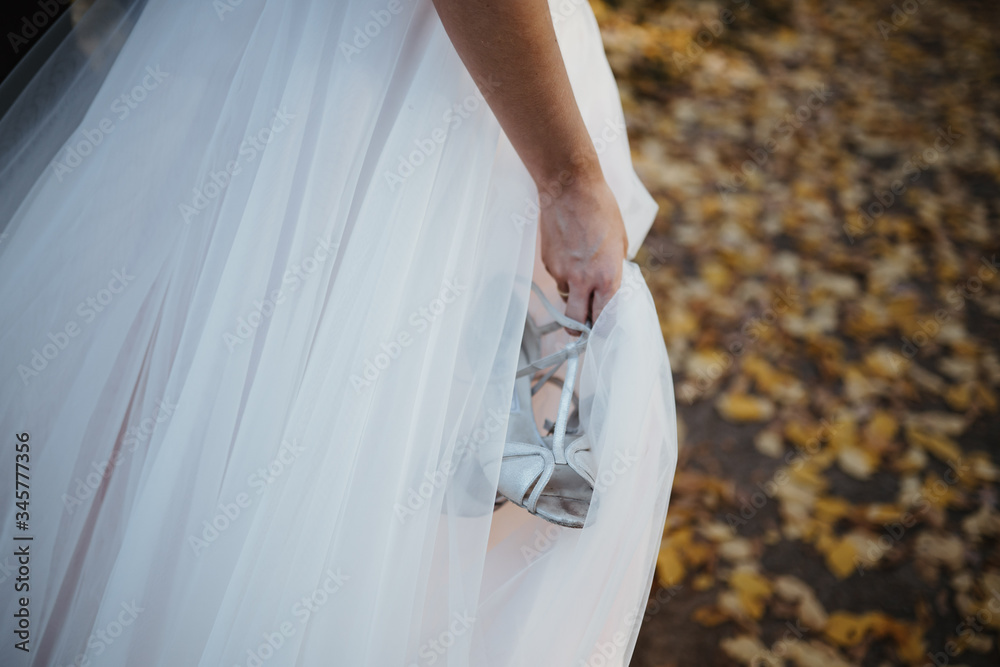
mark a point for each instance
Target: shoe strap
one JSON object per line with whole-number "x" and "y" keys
{"x": 544, "y": 363}
{"x": 519, "y": 478}
{"x": 565, "y": 402}
{"x": 561, "y": 321}
{"x": 559, "y": 317}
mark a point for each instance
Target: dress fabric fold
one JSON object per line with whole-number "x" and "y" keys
{"x": 264, "y": 271}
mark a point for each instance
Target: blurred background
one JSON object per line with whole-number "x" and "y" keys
{"x": 825, "y": 265}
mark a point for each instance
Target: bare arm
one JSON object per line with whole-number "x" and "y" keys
{"x": 582, "y": 234}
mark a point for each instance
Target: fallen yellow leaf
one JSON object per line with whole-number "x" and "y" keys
{"x": 741, "y": 408}
{"x": 669, "y": 567}
{"x": 941, "y": 446}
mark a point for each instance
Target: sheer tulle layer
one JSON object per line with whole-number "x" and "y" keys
{"x": 263, "y": 309}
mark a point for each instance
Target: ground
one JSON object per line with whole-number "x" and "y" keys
{"x": 825, "y": 266}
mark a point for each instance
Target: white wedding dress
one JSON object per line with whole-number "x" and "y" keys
{"x": 264, "y": 272}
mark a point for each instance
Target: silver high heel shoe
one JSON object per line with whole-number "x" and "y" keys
{"x": 551, "y": 476}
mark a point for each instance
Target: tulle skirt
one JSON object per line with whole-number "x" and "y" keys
{"x": 264, "y": 273}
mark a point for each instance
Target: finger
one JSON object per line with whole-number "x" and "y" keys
{"x": 578, "y": 305}
{"x": 601, "y": 299}
{"x": 602, "y": 295}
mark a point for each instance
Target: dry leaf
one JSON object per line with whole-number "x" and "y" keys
{"x": 740, "y": 408}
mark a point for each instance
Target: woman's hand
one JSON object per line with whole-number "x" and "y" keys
{"x": 583, "y": 245}
{"x": 514, "y": 44}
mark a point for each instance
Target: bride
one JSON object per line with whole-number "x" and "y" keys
{"x": 265, "y": 269}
